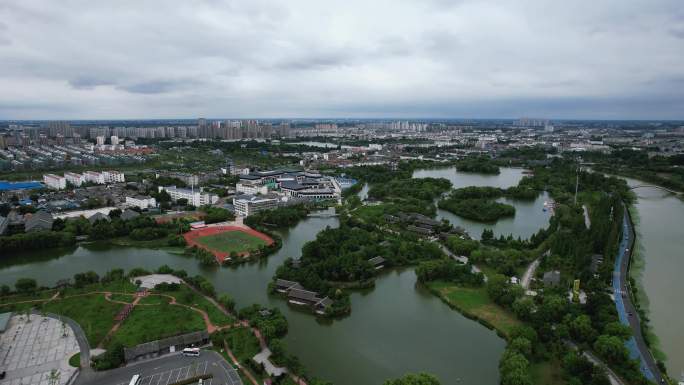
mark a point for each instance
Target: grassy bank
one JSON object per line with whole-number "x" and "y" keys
{"x": 475, "y": 303}
{"x": 639, "y": 296}
{"x": 547, "y": 373}
{"x": 186, "y": 296}
{"x": 149, "y": 323}
{"x": 93, "y": 312}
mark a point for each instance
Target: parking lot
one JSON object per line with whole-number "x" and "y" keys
{"x": 175, "y": 375}
{"x": 171, "y": 369}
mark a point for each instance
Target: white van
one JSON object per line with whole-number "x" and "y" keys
{"x": 191, "y": 352}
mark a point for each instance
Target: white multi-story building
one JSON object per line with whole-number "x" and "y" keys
{"x": 75, "y": 179}
{"x": 113, "y": 176}
{"x": 141, "y": 201}
{"x": 94, "y": 177}
{"x": 195, "y": 198}
{"x": 251, "y": 188}
{"x": 247, "y": 205}
{"x": 54, "y": 182}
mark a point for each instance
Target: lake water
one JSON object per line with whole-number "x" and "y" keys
{"x": 393, "y": 329}
{"x": 660, "y": 227}
{"x": 529, "y": 215}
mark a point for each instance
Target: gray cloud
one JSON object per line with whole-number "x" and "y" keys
{"x": 157, "y": 86}
{"x": 269, "y": 58}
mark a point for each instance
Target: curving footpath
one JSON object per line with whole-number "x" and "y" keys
{"x": 625, "y": 307}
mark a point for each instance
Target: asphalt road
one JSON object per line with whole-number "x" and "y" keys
{"x": 169, "y": 369}
{"x": 625, "y": 307}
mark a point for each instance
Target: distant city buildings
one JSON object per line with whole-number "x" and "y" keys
{"x": 57, "y": 182}
{"x": 141, "y": 201}
{"x": 54, "y": 182}
{"x": 195, "y": 198}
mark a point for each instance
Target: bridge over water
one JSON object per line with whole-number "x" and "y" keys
{"x": 657, "y": 187}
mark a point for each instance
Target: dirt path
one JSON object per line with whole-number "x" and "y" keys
{"x": 246, "y": 372}
{"x": 116, "y": 325}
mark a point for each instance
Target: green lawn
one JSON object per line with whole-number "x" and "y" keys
{"x": 93, "y": 312}
{"x": 35, "y": 301}
{"x": 43, "y": 294}
{"x": 242, "y": 343}
{"x": 149, "y": 323}
{"x": 476, "y": 302}
{"x": 75, "y": 360}
{"x": 231, "y": 241}
{"x": 547, "y": 373}
{"x": 153, "y": 300}
{"x": 122, "y": 297}
{"x": 187, "y": 296}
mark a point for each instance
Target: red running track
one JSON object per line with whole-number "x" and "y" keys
{"x": 191, "y": 238}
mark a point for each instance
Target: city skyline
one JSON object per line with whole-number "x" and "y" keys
{"x": 491, "y": 59}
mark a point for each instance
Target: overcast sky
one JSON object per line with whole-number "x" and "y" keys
{"x": 89, "y": 59}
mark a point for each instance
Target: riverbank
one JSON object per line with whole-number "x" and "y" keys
{"x": 475, "y": 304}
{"x": 655, "y": 271}
{"x": 637, "y": 265}
{"x": 637, "y": 345}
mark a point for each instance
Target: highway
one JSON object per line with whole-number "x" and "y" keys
{"x": 626, "y": 309}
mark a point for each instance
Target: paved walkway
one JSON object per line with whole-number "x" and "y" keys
{"x": 464, "y": 260}
{"x": 244, "y": 371}
{"x": 612, "y": 377}
{"x": 30, "y": 351}
{"x": 529, "y": 273}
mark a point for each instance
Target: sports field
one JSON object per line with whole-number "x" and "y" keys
{"x": 224, "y": 240}
{"x": 232, "y": 241}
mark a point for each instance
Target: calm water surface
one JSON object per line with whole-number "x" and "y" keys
{"x": 393, "y": 329}
{"x": 660, "y": 227}
{"x": 529, "y": 215}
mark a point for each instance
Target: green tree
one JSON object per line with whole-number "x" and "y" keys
{"x": 522, "y": 346}
{"x": 618, "y": 330}
{"x": 414, "y": 379}
{"x": 581, "y": 329}
{"x": 26, "y": 285}
{"x": 612, "y": 349}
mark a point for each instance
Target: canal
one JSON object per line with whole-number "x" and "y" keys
{"x": 659, "y": 221}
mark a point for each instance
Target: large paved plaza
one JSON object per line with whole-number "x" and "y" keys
{"x": 29, "y": 351}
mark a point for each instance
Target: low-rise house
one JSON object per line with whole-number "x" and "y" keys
{"x": 377, "y": 262}
{"x": 166, "y": 345}
{"x": 129, "y": 214}
{"x": 263, "y": 359}
{"x": 419, "y": 230}
{"x": 596, "y": 262}
{"x": 283, "y": 285}
{"x": 552, "y": 278}
{"x": 309, "y": 298}
{"x": 97, "y": 217}
{"x": 39, "y": 221}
